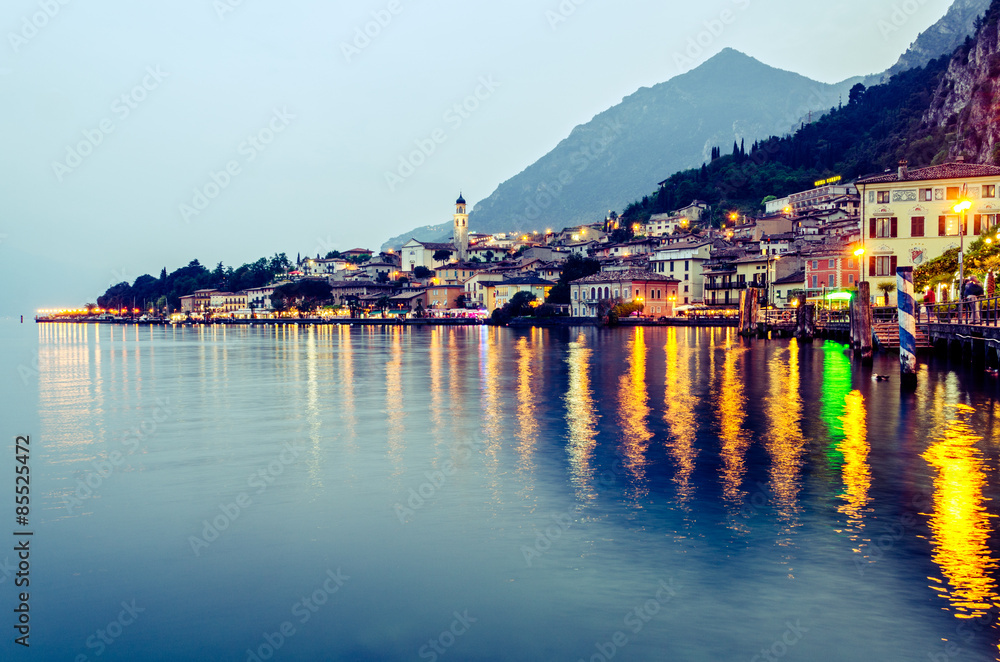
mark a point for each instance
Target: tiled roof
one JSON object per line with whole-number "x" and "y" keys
{"x": 797, "y": 277}
{"x": 527, "y": 280}
{"x": 626, "y": 275}
{"x": 943, "y": 171}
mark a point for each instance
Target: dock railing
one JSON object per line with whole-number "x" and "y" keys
{"x": 977, "y": 312}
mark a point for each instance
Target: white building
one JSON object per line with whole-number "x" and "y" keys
{"x": 684, "y": 262}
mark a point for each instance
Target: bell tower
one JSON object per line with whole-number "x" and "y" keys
{"x": 461, "y": 229}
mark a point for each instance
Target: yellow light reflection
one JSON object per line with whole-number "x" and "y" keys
{"x": 633, "y": 410}
{"x": 784, "y": 440}
{"x": 730, "y": 406}
{"x": 527, "y": 423}
{"x": 581, "y": 418}
{"x": 855, "y": 470}
{"x": 394, "y": 403}
{"x": 960, "y": 523}
{"x": 679, "y": 406}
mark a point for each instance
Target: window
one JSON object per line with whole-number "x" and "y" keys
{"x": 951, "y": 193}
{"x": 687, "y": 265}
{"x": 882, "y": 197}
{"x": 832, "y": 281}
{"x": 989, "y": 191}
{"x": 685, "y": 291}
{"x": 576, "y": 294}
{"x": 850, "y": 263}
{"x": 948, "y": 226}
{"x": 885, "y": 227}
{"x": 815, "y": 264}
{"x": 882, "y": 265}
{"x": 926, "y": 195}
{"x": 671, "y": 267}
{"x": 815, "y": 281}
{"x": 917, "y": 226}
{"x": 831, "y": 264}
{"x": 850, "y": 279}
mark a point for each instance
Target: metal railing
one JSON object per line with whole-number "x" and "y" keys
{"x": 779, "y": 316}
{"x": 977, "y": 312}
{"x": 833, "y": 317}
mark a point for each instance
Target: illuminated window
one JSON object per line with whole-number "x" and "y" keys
{"x": 990, "y": 191}
{"x": 926, "y": 195}
{"x": 952, "y": 193}
{"x": 882, "y": 197}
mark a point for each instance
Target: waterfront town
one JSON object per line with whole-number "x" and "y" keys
{"x": 819, "y": 243}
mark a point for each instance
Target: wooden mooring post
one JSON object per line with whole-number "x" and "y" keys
{"x": 749, "y": 310}
{"x": 862, "y": 323}
{"x": 906, "y": 307}
{"x": 805, "y": 317}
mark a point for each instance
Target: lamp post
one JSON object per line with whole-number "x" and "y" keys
{"x": 860, "y": 254}
{"x": 962, "y": 209}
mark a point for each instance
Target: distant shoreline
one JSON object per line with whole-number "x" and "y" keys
{"x": 515, "y": 323}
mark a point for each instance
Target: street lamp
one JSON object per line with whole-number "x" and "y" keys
{"x": 962, "y": 209}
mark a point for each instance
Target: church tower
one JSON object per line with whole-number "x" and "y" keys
{"x": 461, "y": 230}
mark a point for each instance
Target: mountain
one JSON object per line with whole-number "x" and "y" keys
{"x": 441, "y": 232}
{"x": 873, "y": 131}
{"x": 655, "y": 131}
{"x": 966, "y": 102}
{"x": 942, "y": 38}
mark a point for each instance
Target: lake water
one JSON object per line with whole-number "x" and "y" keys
{"x": 339, "y": 493}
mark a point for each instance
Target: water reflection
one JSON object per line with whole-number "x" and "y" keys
{"x": 679, "y": 414}
{"x": 960, "y": 521}
{"x": 581, "y": 418}
{"x": 731, "y": 413}
{"x": 394, "y": 402}
{"x": 783, "y": 440}
{"x": 855, "y": 471}
{"x": 633, "y": 410}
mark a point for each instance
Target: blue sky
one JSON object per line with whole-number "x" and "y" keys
{"x": 142, "y": 134}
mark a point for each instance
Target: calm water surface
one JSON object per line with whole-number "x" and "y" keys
{"x": 490, "y": 494}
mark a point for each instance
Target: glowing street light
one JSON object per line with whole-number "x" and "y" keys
{"x": 962, "y": 208}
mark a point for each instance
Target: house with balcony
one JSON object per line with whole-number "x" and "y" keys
{"x": 684, "y": 262}
{"x": 908, "y": 216}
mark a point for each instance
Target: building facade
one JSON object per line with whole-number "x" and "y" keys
{"x": 657, "y": 292}
{"x": 908, "y": 217}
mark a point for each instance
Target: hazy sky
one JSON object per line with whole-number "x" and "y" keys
{"x": 119, "y": 111}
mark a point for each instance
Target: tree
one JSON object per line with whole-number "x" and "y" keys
{"x": 442, "y": 255}
{"x": 332, "y": 255}
{"x": 460, "y": 301}
{"x": 886, "y": 287}
{"x": 489, "y": 256}
{"x": 574, "y": 268}
{"x": 856, "y": 93}
{"x": 422, "y": 272}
